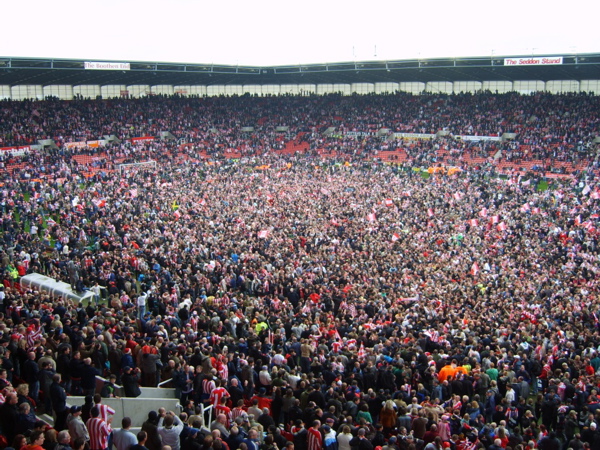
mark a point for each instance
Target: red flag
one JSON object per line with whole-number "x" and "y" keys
{"x": 263, "y": 234}
{"x": 501, "y": 226}
{"x": 483, "y": 212}
{"x": 474, "y": 222}
{"x": 475, "y": 269}
{"x": 430, "y": 212}
{"x": 177, "y": 214}
{"x": 388, "y": 202}
{"x": 495, "y": 219}
{"x": 50, "y": 222}
{"x": 578, "y": 220}
{"x": 536, "y": 210}
{"x": 371, "y": 217}
{"x": 525, "y": 207}
{"x": 395, "y": 237}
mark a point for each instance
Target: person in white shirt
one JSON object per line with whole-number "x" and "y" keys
{"x": 141, "y": 304}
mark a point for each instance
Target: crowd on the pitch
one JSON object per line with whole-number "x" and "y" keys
{"x": 313, "y": 304}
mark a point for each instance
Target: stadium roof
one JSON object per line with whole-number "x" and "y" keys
{"x": 43, "y": 71}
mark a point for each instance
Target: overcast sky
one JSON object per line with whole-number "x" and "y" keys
{"x": 268, "y": 32}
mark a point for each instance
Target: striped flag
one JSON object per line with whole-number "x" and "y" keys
{"x": 371, "y": 217}
{"x": 395, "y": 237}
{"x": 50, "y": 222}
{"x": 430, "y": 212}
{"x": 263, "y": 234}
{"x": 361, "y": 352}
{"x": 474, "y": 222}
{"x": 475, "y": 269}
{"x": 501, "y": 226}
{"x": 388, "y": 202}
{"x": 483, "y": 212}
{"x": 525, "y": 207}
{"x": 494, "y": 219}
{"x": 177, "y": 214}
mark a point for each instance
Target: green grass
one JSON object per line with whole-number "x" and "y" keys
{"x": 542, "y": 186}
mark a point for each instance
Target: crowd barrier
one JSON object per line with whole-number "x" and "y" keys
{"x": 135, "y": 408}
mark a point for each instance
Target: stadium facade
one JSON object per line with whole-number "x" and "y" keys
{"x": 37, "y": 78}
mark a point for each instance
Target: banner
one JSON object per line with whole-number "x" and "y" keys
{"x": 95, "y": 144}
{"x": 414, "y": 135}
{"x": 360, "y": 133}
{"x": 80, "y": 144}
{"x": 17, "y": 151}
{"x": 547, "y": 61}
{"x": 95, "y": 65}
{"x": 142, "y": 139}
{"x": 478, "y": 138}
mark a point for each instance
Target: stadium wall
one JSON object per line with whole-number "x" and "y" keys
{"x": 66, "y": 92}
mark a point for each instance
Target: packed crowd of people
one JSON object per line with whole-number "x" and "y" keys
{"x": 312, "y": 304}
{"x": 551, "y": 126}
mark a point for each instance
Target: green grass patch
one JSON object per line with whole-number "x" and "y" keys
{"x": 542, "y": 186}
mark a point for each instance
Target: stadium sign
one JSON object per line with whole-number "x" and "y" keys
{"x": 478, "y": 138}
{"x": 547, "y": 61}
{"x": 414, "y": 136}
{"x": 360, "y": 133}
{"x": 106, "y": 66}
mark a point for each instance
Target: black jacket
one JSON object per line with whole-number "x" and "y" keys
{"x": 58, "y": 397}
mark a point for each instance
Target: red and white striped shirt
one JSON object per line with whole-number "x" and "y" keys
{"x": 217, "y": 394}
{"x": 313, "y": 439}
{"x": 208, "y": 384}
{"x": 99, "y": 431}
{"x": 105, "y": 411}
{"x": 222, "y": 409}
{"x": 237, "y": 412}
{"x": 32, "y": 335}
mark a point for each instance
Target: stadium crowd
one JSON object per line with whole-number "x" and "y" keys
{"x": 313, "y": 304}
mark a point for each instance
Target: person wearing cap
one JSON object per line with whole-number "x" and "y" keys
{"x": 360, "y": 441}
{"x": 131, "y": 382}
{"x": 123, "y": 439}
{"x": 77, "y": 428}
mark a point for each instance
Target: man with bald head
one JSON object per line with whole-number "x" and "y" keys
{"x": 220, "y": 423}
{"x": 88, "y": 377}
{"x": 30, "y": 373}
